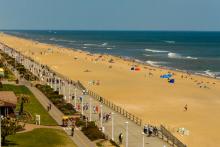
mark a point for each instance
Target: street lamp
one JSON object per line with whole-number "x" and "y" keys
{"x": 55, "y": 83}
{"x": 59, "y": 86}
{"x": 64, "y": 90}
{"x": 101, "y": 116}
{"x": 69, "y": 92}
{"x": 82, "y": 105}
{"x": 75, "y": 98}
{"x": 113, "y": 126}
{"x": 90, "y": 109}
{"x": 51, "y": 82}
{"x": 143, "y": 138}
{"x": 126, "y": 141}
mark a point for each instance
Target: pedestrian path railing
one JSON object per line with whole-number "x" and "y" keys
{"x": 116, "y": 108}
{"x": 170, "y": 138}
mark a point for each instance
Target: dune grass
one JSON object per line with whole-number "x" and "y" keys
{"x": 33, "y": 107}
{"x": 41, "y": 137}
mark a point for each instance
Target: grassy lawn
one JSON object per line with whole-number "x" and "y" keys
{"x": 42, "y": 137}
{"x": 33, "y": 107}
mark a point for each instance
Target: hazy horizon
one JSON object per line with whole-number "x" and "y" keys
{"x": 157, "y": 15}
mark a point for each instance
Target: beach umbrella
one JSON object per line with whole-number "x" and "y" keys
{"x": 166, "y": 76}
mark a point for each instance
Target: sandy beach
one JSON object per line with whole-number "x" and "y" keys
{"x": 141, "y": 92}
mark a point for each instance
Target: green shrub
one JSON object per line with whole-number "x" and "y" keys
{"x": 91, "y": 130}
{"x": 57, "y": 99}
{"x": 114, "y": 143}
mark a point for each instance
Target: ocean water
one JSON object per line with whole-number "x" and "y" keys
{"x": 197, "y": 52}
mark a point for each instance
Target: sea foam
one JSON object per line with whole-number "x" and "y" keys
{"x": 170, "y": 41}
{"x": 61, "y": 40}
{"x": 155, "y": 51}
{"x": 153, "y": 63}
{"x": 178, "y": 56}
{"x": 174, "y": 55}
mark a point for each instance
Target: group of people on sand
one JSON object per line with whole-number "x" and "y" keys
{"x": 200, "y": 84}
{"x": 95, "y": 82}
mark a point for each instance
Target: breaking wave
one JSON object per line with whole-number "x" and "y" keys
{"x": 153, "y": 63}
{"x": 155, "y": 51}
{"x": 170, "y": 41}
{"x": 189, "y": 57}
{"x": 96, "y": 45}
{"x": 178, "y": 56}
{"x": 61, "y": 40}
{"x": 209, "y": 73}
{"x": 174, "y": 55}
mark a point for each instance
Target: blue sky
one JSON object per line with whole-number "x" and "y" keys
{"x": 198, "y": 15}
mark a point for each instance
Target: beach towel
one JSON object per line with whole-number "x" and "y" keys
{"x": 137, "y": 69}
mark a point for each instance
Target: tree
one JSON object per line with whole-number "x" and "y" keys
{"x": 9, "y": 126}
{"x": 24, "y": 99}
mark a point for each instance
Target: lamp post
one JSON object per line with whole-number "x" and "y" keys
{"x": 113, "y": 126}
{"x": 69, "y": 91}
{"x": 59, "y": 86}
{"x": 55, "y": 83}
{"x": 101, "y": 116}
{"x": 143, "y": 138}
{"x": 126, "y": 140}
{"x": 90, "y": 109}
{"x": 51, "y": 82}
{"x": 75, "y": 98}
{"x": 82, "y": 105}
{"x": 64, "y": 90}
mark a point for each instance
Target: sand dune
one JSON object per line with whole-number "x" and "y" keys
{"x": 147, "y": 96}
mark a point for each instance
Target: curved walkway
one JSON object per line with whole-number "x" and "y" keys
{"x": 30, "y": 127}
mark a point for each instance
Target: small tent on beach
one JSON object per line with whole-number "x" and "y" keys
{"x": 166, "y": 76}
{"x": 171, "y": 81}
{"x": 137, "y": 69}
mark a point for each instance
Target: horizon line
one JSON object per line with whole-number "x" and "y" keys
{"x": 110, "y": 30}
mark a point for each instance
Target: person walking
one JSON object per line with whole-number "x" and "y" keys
{"x": 186, "y": 107}
{"x": 72, "y": 130}
{"x": 120, "y": 137}
{"x": 50, "y": 105}
{"x": 94, "y": 109}
{"x": 97, "y": 109}
{"x": 48, "y": 108}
